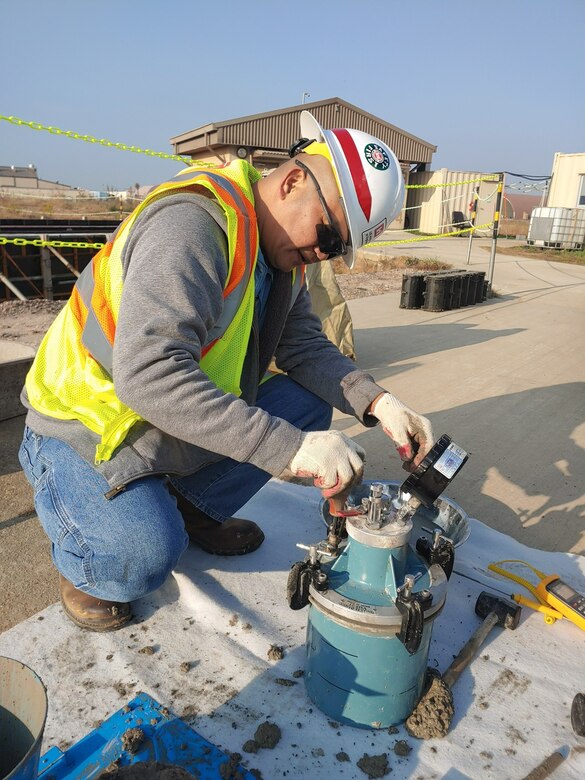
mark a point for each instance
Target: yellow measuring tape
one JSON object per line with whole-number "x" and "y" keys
{"x": 540, "y": 605}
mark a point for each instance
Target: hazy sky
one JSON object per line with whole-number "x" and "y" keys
{"x": 495, "y": 85}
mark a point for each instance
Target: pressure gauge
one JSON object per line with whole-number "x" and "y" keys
{"x": 242, "y": 152}
{"x": 436, "y": 471}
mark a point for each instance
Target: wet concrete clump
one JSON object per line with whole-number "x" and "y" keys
{"x": 267, "y": 736}
{"x": 374, "y": 766}
{"x": 433, "y": 714}
{"x": 132, "y": 739}
{"x": 402, "y": 748}
{"x": 275, "y": 653}
{"x": 230, "y": 770}
{"x": 284, "y": 682}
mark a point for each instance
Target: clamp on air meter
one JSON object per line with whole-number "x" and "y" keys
{"x": 554, "y": 597}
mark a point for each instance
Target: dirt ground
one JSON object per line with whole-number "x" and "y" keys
{"x": 27, "y": 321}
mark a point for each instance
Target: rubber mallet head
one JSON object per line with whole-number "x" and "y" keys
{"x": 508, "y": 612}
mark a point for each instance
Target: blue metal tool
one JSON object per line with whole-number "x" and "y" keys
{"x": 167, "y": 739}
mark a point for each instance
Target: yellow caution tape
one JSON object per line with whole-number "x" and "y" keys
{"x": 40, "y": 242}
{"x": 449, "y": 184}
{"x": 430, "y": 238}
{"x": 104, "y": 142}
{"x": 85, "y": 245}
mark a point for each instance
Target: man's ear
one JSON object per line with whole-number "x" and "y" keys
{"x": 293, "y": 179}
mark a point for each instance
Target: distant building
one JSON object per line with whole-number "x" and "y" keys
{"x": 518, "y": 205}
{"x": 23, "y": 180}
{"x": 567, "y": 186}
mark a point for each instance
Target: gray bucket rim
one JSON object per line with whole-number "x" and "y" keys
{"x": 39, "y": 737}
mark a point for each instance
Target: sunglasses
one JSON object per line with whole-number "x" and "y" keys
{"x": 328, "y": 238}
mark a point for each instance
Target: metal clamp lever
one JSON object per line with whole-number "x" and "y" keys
{"x": 438, "y": 550}
{"x": 411, "y": 606}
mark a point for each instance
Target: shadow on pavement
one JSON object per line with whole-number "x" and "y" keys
{"x": 524, "y": 476}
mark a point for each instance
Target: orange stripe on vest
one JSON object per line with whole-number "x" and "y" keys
{"x": 99, "y": 301}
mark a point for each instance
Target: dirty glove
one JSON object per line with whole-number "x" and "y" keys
{"x": 334, "y": 461}
{"x": 411, "y": 432}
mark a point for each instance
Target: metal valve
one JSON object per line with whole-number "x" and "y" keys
{"x": 374, "y": 519}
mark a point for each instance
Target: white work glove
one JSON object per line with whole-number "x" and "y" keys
{"x": 411, "y": 432}
{"x": 334, "y": 461}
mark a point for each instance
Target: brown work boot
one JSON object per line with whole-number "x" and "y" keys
{"x": 232, "y": 537}
{"x": 88, "y": 612}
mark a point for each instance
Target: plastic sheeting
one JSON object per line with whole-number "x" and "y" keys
{"x": 329, "y": 304}
{"x": 220, "y": 616}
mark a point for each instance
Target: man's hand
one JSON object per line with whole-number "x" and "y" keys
{"x": 334, "y": 461}
{"x": 411, "y": 432}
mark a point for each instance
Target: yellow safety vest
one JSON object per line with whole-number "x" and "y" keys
{"x": 71, "y": 376}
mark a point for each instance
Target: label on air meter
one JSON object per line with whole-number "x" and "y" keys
{"x": 450, "y": 461}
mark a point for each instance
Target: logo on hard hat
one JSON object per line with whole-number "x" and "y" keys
{"x": 377, "y": 157}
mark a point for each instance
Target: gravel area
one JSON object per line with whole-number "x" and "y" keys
{"x": 27, "y": 321}
{"x": 362, "y": 285}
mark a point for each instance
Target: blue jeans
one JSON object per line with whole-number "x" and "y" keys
{"x": 125, "y": 547}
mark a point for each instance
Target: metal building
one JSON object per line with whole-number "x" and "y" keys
{"x": 24, "y": 180}
{"x": 567, "y": 185}
{"x": 264, "y": 139}
{"x": 444, "y": 204}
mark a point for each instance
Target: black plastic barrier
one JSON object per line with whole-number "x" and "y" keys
{"x": 442, "y": 290}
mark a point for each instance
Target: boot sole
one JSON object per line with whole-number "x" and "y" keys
{"x": 92, "y": 625}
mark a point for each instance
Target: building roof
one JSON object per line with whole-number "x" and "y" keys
{"x": 277, "y": 130}
{"x": 28, "y": 172}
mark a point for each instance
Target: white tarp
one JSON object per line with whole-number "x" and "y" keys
{"x": 223, "y": 614}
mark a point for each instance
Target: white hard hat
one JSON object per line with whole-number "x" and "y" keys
{"x": 368, "y": 175}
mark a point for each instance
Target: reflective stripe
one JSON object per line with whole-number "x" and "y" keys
{"x": 84, "y": 284}
{"x": 95, "y": 341}
{"x": 93, "y": 337}
{"x": 242, "y": 209}
{"x": 233, "y": 297}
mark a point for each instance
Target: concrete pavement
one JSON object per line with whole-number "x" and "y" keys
{"x": 505, "y": 378}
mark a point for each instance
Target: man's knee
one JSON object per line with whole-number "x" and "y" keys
{"x": 142, "y": 566}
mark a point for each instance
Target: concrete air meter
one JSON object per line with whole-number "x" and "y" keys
{"x": 374, "y": 593}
